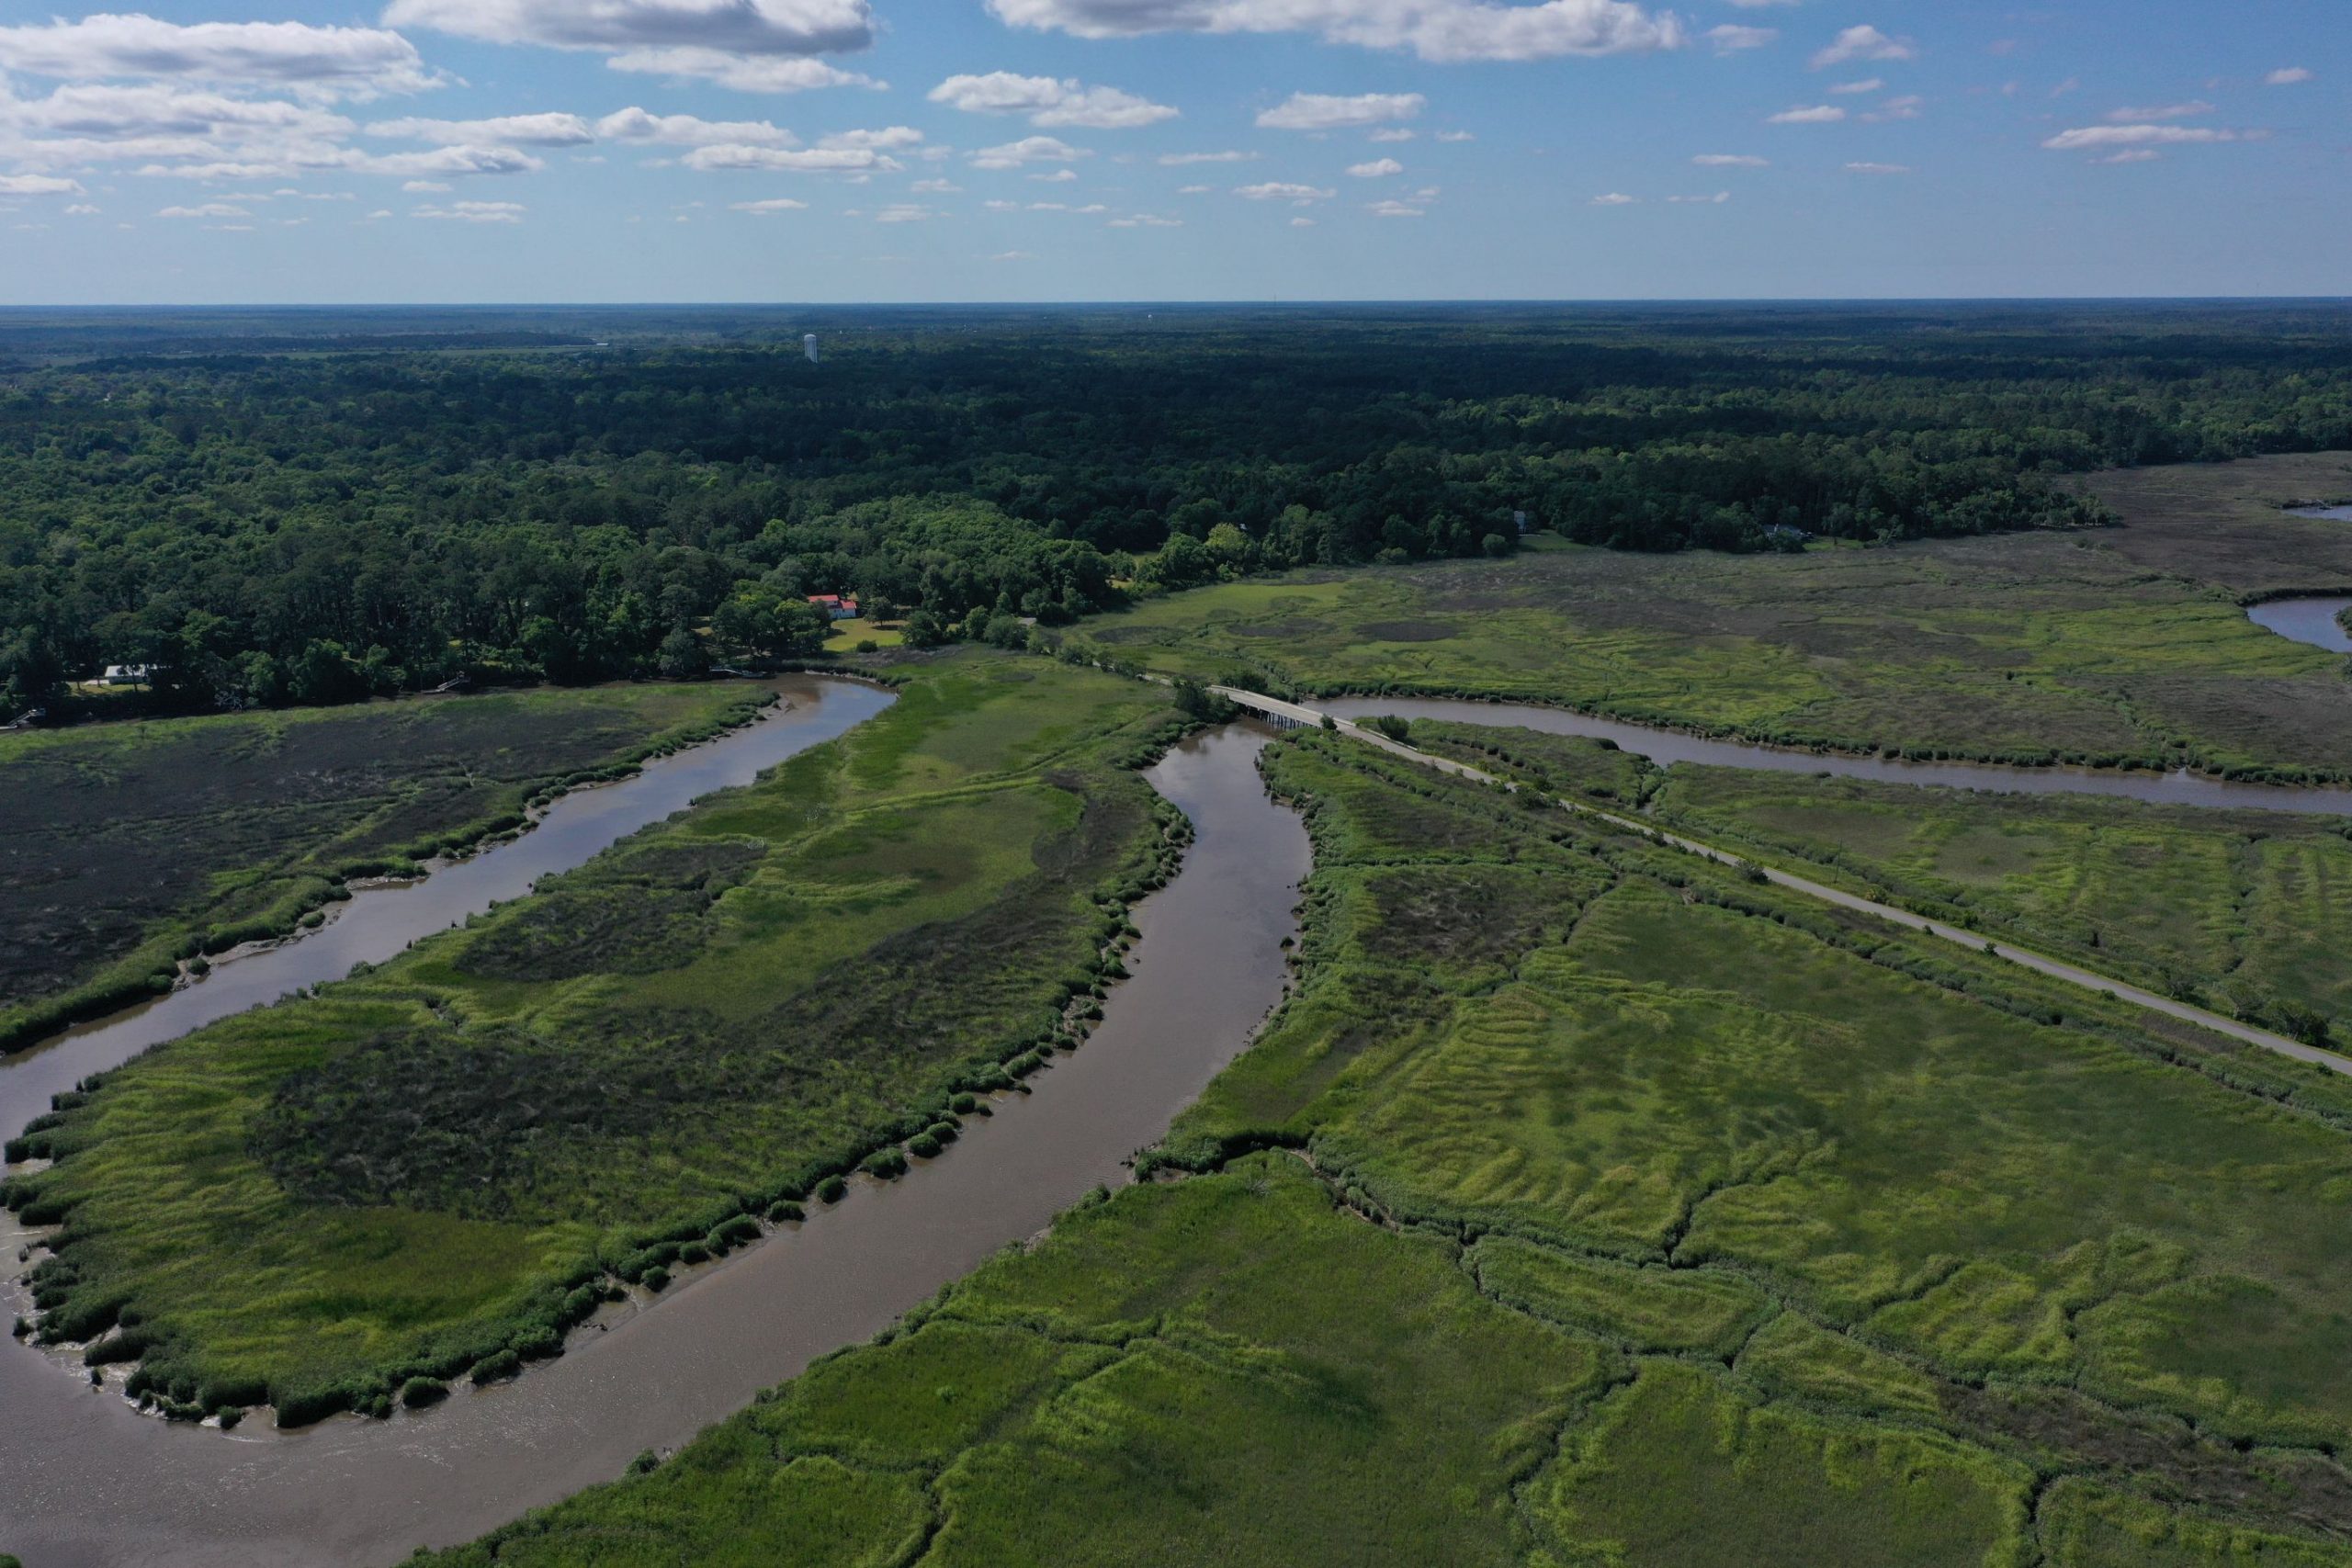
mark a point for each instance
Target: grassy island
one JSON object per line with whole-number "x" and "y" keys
{"x": 441, "y": 1165}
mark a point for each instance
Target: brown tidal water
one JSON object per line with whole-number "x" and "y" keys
{"x": 1665, "y": 747}
{"x": 85, "y": 1480}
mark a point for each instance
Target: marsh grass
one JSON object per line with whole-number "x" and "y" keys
{"x": 1705, "y": 1228}
{"x": 2126, "y": 646}
{"x": 157, "y": 842}
{"x": 445, "y": 1162}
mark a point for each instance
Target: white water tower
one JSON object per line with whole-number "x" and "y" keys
{"x": 809, "y": 347}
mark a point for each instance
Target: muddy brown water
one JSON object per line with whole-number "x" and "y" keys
{"x": 85, "y": 1481}
{"x": 1665, "y": 747}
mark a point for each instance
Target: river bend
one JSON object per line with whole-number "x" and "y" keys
{"x": 86, "y": 1481}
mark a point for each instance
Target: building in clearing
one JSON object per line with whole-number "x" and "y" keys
{"x": 840, "y": 607}
{"x": 125, "y": 675}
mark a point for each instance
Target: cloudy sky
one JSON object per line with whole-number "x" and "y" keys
{"x": 254, "y": 151}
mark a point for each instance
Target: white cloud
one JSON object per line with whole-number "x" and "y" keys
{"x": 1904, "y": 108}
{"x": 1323, "y": 111}
{"x": 1391, "y": 133}
{"x": 1047, "y": 101}
{"x": 1283, "y": 190}
{"x": 1615, "y": 199}
{"x": 2188, "y": 110}
{"x": 79, "y": 208}
{"x": 740, "y": 73}
{"x": 1378, "y": 169}
{"x": 2094, "y": 138}
{"x": 1444, "y": 31}
{"x": 1878, "y": 168}
{"x": 735, "y": 27}
{"x": 804, "y": 160}
{"x": 1393, "y": 210}
{"x": 1867, "y": 85}
{"x": 636, "y": 125}
{"x": 904, "y": 212}
{"x": 208, "y": 210}
{"x": 527, "y": 130}
{"x": 167, "y": 131}
{"x": 891, "y": 137}
{"x": 2131, "y": 155}
{"x": 1715, "y": 200}
{"x": 1815, "y": 114}
{"x": 444, "y": 161}
{"x": 1002, "y": 205}
{"x": 475, "y": 212}
{"x": 1456, "y": 136}
{"x": 772, "y": 204}
{"x": 1863, "y": 43}
{"x": 1729, "y": 38}
{"x": 1184, "y": 160}
{"x": 425, "y": 188}
{"x": 2286, "y": 76}
{"x": 39, "y": 184}
{"x": 1194, "y": 190}
{"x": 1730, "y": 161}
{"x": 1013, "y": 256}
{"x": 935, "y": 187}
{"x": 1059, "y": 176}
{"x": 1028, "y": 150}
{"x": 1145, "y": 221}
{"x": 323, "y": 61}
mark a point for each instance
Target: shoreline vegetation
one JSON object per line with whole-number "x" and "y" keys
{"x": 1586, "y": 1201}
{"x": 182, "y": 839}
{"x": 438, "y": 1168}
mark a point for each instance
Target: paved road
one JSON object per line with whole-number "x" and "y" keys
{"x": 2057, "y": 969}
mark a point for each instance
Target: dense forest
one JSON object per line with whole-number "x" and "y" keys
{"x": 307, "y": 509}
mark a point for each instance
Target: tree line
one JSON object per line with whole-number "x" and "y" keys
{"x": 301, "y": 528}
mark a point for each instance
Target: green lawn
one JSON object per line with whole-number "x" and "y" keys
{"x": 129, "y": 847}
{"x": 1588, "y": 1205}
{"x": 462, "y": 1150}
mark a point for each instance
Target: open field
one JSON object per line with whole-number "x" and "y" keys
{"x": 128, "y": 848}
{"x": 846, "y": 635}
{"x": 1588, "y": 1205}
{"x": 2117, "y": 646}
{"x": 443, "y": 1164}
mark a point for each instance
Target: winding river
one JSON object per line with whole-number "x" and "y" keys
{"x": 85, "y": 1481}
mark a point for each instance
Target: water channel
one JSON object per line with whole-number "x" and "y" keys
{"x": 2325, "y": 514}
{"x": 1667, "y": 747}
{"x": 85, "y": 1481}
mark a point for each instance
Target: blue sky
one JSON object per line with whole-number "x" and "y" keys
{"x": 450, "y": 151}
